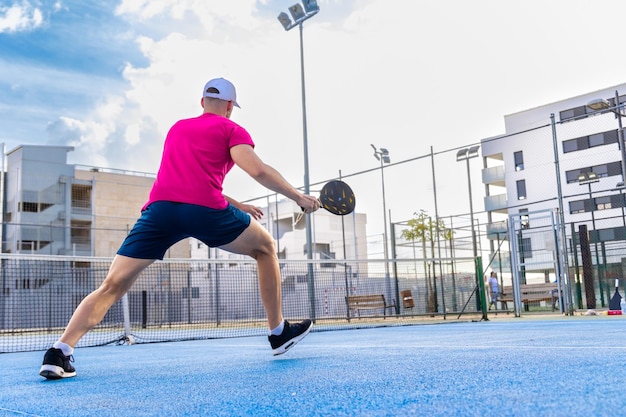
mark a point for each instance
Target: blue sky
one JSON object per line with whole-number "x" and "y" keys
{"x": 110, "y": 77}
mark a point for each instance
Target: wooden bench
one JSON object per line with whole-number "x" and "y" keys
{"x": 369, "y": 302}
{"x": 532, "y": 293}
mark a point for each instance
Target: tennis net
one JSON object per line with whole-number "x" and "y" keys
{"x": 187, "y": 299}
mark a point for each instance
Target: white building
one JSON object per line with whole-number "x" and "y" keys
{"x": 51, "y": 207}
{"x": 562, "y": 155}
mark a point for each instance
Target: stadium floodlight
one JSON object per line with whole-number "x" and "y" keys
{"x": 599, "y": 104}
{"x": 311, "y": 6}
{"x": 381, "y": 154}
{"x": 285, "y": 20}
{"x": 299, "y": 14}
{"x": 588, "y": 178}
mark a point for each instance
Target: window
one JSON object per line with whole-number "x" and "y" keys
{"x": 80, "y": 233}
{"x": 81, "y": 197}
{"x": 195, "y": 292}
{"x": 618, "y": 200}
{"x": 603, "y": 203}
{"x": 524, "y": 218}
{"x": 521, "y": 189}
{"x": 577, "y": 207}
{"x": 596, "y": 140}
{"x": 586, "y": 142}
{"x": 28, "y": 207}
{"x": 574, "y": 113}
{"x": 601, "y": 170}
{"x": 570, "y": 145}
{"x": 518, "y": 157}
{"x": 526, "y": 247}
{"x": 590, "y": 205}
{"x": 604, "y": 170}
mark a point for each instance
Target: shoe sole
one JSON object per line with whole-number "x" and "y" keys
{"x": 291, "y": 343}
{"x": 55, "y": 372}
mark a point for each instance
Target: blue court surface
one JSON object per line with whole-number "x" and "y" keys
{"x": 564, "y": 366}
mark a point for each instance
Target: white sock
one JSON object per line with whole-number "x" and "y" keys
{"x": 278, "y": 330}
{"x": 65, "y": 348}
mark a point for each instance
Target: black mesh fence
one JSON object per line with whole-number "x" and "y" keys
{"x": 200, "y": 299}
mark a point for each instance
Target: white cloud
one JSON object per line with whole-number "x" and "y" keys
{"x": 20, "y": 17}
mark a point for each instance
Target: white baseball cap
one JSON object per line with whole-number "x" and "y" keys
{"x": 222, "y": 89}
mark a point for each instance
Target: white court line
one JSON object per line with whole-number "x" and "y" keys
{"x": 21, "y": 413}
{"x": 513, "y": 347}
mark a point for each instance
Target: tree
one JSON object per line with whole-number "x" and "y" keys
{"x": 423, "y": 228}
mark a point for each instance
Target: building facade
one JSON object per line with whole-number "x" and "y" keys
{"x": 54, "y": 208}
{"x": 565, "y": 158}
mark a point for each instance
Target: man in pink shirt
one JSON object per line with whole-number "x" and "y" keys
{"x": 186, "y": 200}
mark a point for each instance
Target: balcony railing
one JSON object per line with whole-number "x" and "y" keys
{"x": 494, "y": 176}
{"x": 496, "y": 203}
{"x": 497, "y": 230}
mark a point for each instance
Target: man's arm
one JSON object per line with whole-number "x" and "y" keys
{"x": 245, "y": 157}
{"x": 254, "y": 211}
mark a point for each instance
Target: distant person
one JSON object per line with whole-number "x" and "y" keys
{"x": 493, "y": 290}
{"x": 186, "y": 200}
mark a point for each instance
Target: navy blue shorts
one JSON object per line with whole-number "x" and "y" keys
{"x": 163, "y": 223}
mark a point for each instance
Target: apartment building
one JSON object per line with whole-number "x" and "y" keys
{"x": 563, "y": 157}
{"x": 54, "y": 208}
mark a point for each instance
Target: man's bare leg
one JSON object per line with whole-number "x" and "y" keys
{"x": 121, "y": 276}
{"x": 256, "y": 242}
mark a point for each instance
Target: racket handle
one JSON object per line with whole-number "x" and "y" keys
{"x": 302, "y": 208}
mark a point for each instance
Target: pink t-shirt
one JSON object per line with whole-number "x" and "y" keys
{"x": 195, "y": 160}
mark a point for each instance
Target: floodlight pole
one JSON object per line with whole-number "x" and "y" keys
{"x": 382, "y": 155}
{"x": 471, "y": 207}
{"x": 467, "y": 154}
{"x": 588, "y": 179}
{"x": 305, "y": 142}
{"x": 307, "y": 185}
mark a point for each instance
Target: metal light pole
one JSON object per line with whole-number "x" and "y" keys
{"x": 299, "y": 15}
{"x": 588, "y": 178}
{"x": 465, "y": 155}
{"x": 382, "y": 155}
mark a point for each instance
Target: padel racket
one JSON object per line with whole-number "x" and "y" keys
{"x": 335, "y": 197}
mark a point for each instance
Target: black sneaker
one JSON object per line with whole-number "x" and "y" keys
{"x": 292, "y": 334}
{"x": 56, "y": 365}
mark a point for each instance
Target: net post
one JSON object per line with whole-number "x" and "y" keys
{"x": 128, "y": 337}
